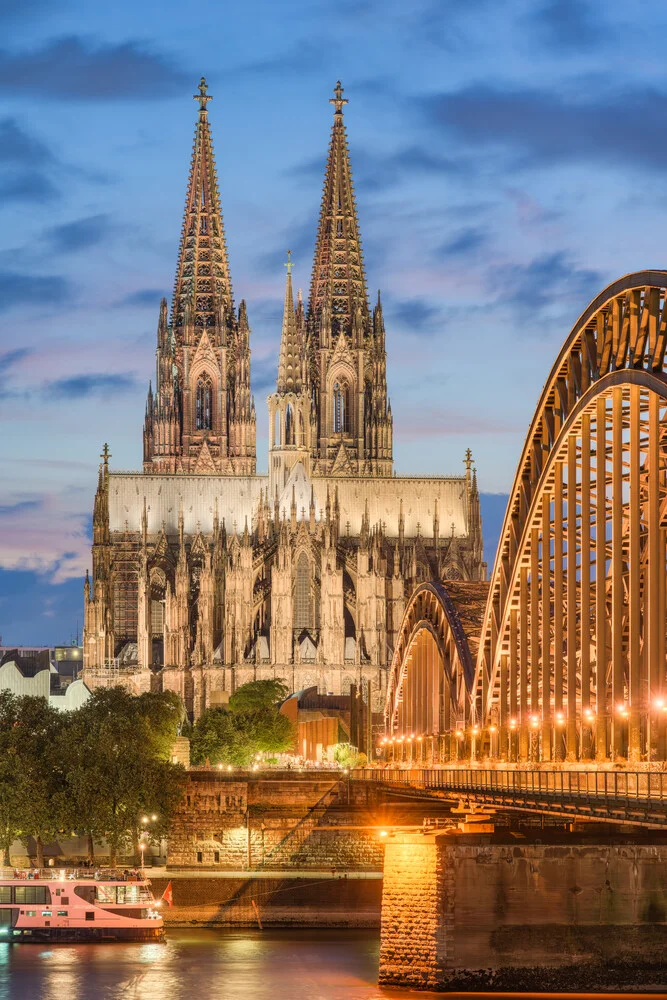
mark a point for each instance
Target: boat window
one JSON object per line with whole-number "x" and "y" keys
{"x": 32, "y": 894}
{"x": 5, "y": 917}
{"x": 30, "y": 913}
{"x": 62, "y": 913}
{"x": 90, "y": 914}
{"x": 106, "y": 893}
{"x": 86, "y": 892}
{"x": 127, "y": 894}
{"x": 47, "y": 913}
{"x": 5, "y": 893}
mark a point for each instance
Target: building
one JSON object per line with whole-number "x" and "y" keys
{"x": 66, "y": 660}
{"x": 35, "y": 674}
{"x": 206, "y": 574}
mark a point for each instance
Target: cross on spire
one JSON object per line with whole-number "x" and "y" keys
{"x": 202, "y": 96}
{"x": 338, "y": 100}
{"x": 289, "y": 265}
{"x": 106, "y": 454}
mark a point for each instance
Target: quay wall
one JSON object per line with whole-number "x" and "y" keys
{"x": 464, "y": 915}
{"x": 280, "y": 901}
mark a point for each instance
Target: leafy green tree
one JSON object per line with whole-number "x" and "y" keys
{"x": 258, "y": 695}
{"x": 236, "y": 737}
{"x": 30, "y": 771}
{"x": 10, "y": 777}
{"x": 118, "y": 766}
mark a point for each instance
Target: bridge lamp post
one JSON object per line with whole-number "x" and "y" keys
{"x": 589, "y": 722}
{"x": 534, "y": 737}
{"x": 559, "y": 736}
{"x": 512, "y": 741}
{"x": 659, "y": 706}
{"x": 493, "y": 749}
{"x": 623, "y": 713}
{"x": 473, "y": 743}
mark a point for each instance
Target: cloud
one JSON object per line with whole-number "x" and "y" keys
{"x": 42, "y": 533}
{"x": 441, "y": 421}
{"x": 547, "y": 280}
{"x": 570, "y": 24}
{"x": 74, "y": 68}
{"x": 24, "y": 164}
{"x": 417, "y": 315}
{"x": 78, "y": 386}
{"x": 78, "y": 235}
{"x": 19, "y": 148}
{"x": 377, "y": 171}
{"x": 30, "y": 290}
{"x": 144, "y": 297}
{"x": 10, "y": 358}
{"x": 464, "y": 242}
{"x": 546, "y": 128}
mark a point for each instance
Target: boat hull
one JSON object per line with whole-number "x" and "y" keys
{"x": 83, "y": 935}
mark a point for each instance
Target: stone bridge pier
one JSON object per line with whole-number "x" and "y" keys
{"x": 460, "y": 912}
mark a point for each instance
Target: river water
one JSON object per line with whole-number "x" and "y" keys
{"x": 204, "y": 965}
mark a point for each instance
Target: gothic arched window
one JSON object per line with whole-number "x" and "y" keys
{"x": 289, "y": 425}
{"x": 302, "y": 604}
{"x": 340, "y": 408}
{"x": 204, "y": 404}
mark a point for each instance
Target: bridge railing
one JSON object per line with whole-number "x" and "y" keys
{"x": 575, "y": 784}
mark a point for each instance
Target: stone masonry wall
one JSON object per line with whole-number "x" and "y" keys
{"x": 410, "y": 912}
{"x": 274, "y": 822}
{"x": 466, "y": 915}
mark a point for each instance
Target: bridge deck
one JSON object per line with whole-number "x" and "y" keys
{"x": 638, "y": 797}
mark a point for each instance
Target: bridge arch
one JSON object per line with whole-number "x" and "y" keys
{"x": 432, "y": 673}
{"x": 571, "y": 657}
{"x": 571, "y": 661}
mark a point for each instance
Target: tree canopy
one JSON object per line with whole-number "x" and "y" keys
{"x": 251, "y": 724}
{"x": 95, "y": 770}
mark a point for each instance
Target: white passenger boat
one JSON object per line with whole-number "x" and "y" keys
{"x": 63, "y": 905}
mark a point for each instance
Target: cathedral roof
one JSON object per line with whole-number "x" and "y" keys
{"x": 202, "y": 280}
{"x": 289, "y": 363}
{"x": 338, "y": 281}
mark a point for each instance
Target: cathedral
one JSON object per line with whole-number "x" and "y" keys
{"x": 207, "y": 574}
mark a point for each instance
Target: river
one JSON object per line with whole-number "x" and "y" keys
{"x": 204, "y": 965}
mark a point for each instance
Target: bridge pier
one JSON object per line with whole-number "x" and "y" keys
{"x": 459, "y": 913}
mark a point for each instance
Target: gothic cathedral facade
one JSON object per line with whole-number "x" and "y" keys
{"x": 207, "y": 574}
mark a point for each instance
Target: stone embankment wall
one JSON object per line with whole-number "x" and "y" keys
{"x": 462, "y": 915}
{"x": 280, "y": 902}
{"x": 283, "y": 821}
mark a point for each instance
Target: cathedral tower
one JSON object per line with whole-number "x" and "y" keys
{"x": 292, "y": 418}
{"x": 345, "y": 342}
{"x": 201, "y": 417}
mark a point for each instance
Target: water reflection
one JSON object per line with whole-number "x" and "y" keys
{"x": 220, "y": 965}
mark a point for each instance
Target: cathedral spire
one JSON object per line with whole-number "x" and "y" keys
{"x": 289, "y": 364}
{"x": 338, "y": 283}
{"x": 203, "y": 282}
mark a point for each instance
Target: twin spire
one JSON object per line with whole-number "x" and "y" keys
{"x": 203, "y": 286}
{"x": 338, "y": 281}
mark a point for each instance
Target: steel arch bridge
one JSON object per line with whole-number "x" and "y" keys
{"x": 571, "y": 657}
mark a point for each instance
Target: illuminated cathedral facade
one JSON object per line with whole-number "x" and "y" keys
{"x": 207, "y": 574}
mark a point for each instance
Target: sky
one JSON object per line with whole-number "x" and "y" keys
{"x": 509, "y": 159}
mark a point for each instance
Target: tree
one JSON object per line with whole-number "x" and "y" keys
{"x": 118, "y": 766}
{"x": 10, "y": 790}
{"x": 257, "y": 695}
{"x": 252, "y": 725}
{"x": 30, "y": 771}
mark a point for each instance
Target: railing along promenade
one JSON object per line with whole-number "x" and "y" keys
{"x": 618, "y": 796}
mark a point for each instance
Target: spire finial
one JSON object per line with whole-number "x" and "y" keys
{"x": 289, "y": 265}
{"x": 202, "y": 96}
{"x": 338, "y": 100}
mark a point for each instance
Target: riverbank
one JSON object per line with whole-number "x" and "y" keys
{"x": 270, "y": 899}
